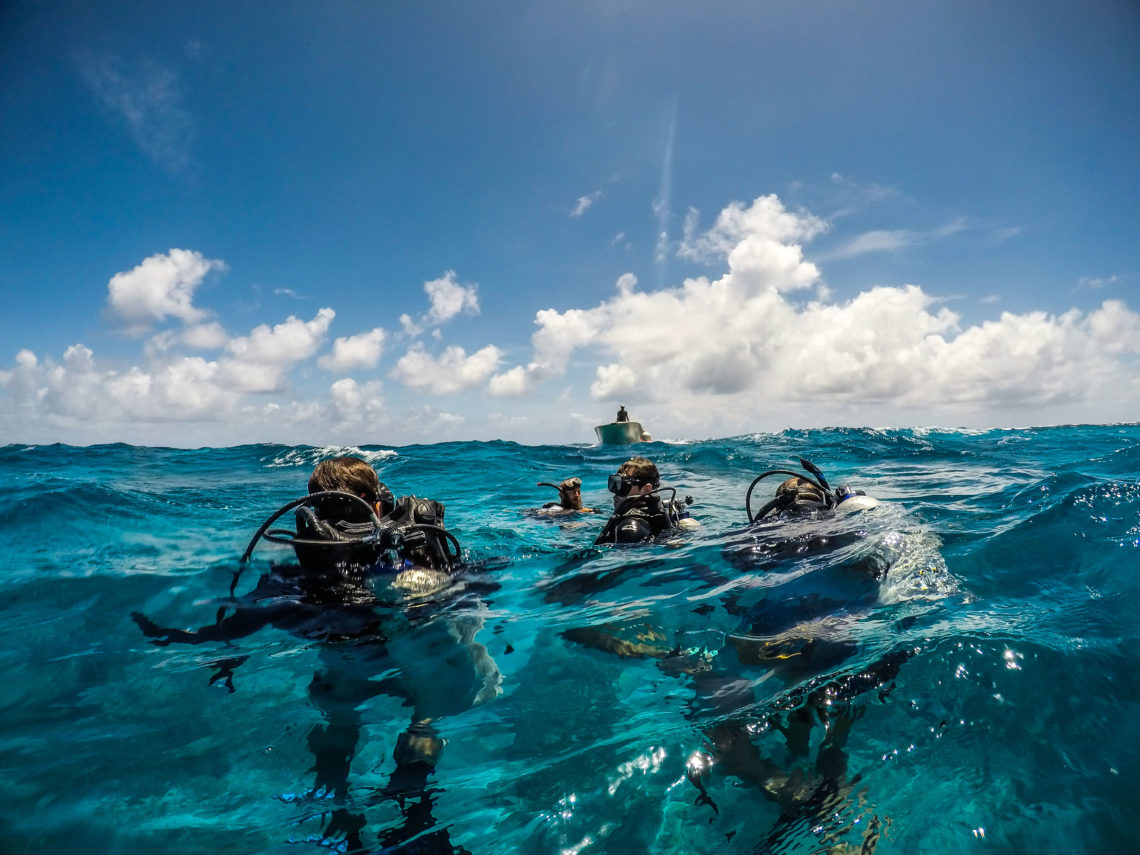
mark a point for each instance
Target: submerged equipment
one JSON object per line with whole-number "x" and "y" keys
{"x": 821, "y": 498}
{"x": 411, "y": 532}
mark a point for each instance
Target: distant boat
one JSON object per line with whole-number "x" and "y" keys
{"x": 621, "y": 433}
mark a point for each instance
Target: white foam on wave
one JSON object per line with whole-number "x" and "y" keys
{"x": 312, "y": 456}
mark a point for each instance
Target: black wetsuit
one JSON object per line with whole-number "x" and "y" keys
{"x": 636, "y": 519}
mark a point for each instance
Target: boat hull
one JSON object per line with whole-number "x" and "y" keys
{"x": 620, "y": 433}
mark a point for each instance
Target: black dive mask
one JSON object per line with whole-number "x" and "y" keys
{"x": 620, "y": 484}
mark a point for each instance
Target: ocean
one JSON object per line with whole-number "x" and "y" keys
{"x": 951, "y": 671}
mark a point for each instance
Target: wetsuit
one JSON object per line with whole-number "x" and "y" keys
{"x": 411, "y": 529}
{"x": 635, "y": 519}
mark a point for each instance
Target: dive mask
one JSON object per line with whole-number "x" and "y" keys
{"x": 620, "y": 484}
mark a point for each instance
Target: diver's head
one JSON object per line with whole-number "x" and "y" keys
{"x": 355, "y": 476}
{"x": 799, "y": 495}
{"x": 570, "y": 494}
{"x": 635, "y": 477}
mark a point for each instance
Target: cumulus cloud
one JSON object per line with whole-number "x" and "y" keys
{"x": 358, "y": 351}
{"x": 161, "y": 287}
{"x": 261, "y": 361}
{"x": 758, "y": 341}
{"x": 81, "y": 390}
{"x": 452, "y": 371}
{"x": 356, "y": 403}
{"x": 78, "y": 388}
{"x": 744, "y": 339}
{"x": 205, "y": 336}
{"x": 739, "y": 227}
{"x": 195, "y": 372}
{"x": 558, "y": 336}
{"x": 448, "y": 298}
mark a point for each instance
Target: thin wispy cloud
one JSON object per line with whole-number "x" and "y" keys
{"x": 147, "y": 98}
{"x": 585, "y": 203}
{"x": 1095, "y": 283}
{"x": 1002, "y": 235}
{"x": 663, "y": 204}
{"x": 892, "y": 240}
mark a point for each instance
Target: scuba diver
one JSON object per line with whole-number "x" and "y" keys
{"x": 569, "y": 499}
{"x": 807, "y": 552}
{"x": 379, "y": 584}
{"x": 811, "y": 555}
{"x": 809, "y": 572}
{"x": 805, "y": 493}
{"x": 640, "y": 514}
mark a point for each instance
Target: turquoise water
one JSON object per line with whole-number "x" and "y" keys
{"x": 998, "y": 712}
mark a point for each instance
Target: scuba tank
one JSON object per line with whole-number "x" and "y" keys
{"x": 338, "y": 530}
{"x": 821, "y": 497}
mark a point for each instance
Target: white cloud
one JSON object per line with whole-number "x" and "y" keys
{"x": 757, "y": 343}
{"x": 881, "y": 240}
{"x": 894, "y": 240}
{"x": 766, "y": 220}
{"x": 741, "y": 341}
{"x": 356, "y": 403}
{"x": 207, "y": 336}
{"x": 558, "y": 335}
{"x": 584, "y": 203}
{"x": 161, "y": 287}
{"x": 261, "y": 361}
{"x": 447, "y": 299}
{"x": 1115, "y": 327}
{"x": 82, "y": 390}
{"x": 453, "y": 371}
{"x": 615, "y": 381}
{"x": 358, "y": 351}
{"x": 147, "y": 98}
{"x": 1097, "y": 282}
{"x": 516, "y": 382}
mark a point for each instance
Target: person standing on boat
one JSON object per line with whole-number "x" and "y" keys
{"x": 622, "y": 415}
{"x": 640, "y": 513}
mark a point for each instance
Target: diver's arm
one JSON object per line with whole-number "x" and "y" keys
{"x": 600, "y": 638}
{"x": 241, "y": 623}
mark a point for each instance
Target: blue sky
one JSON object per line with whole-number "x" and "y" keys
{"x": 397, "y": 222}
